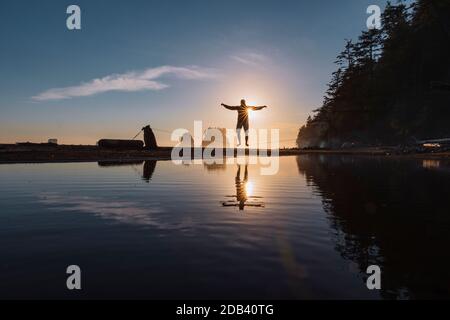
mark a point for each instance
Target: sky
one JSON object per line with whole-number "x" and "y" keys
{"x": 167, "y": 64}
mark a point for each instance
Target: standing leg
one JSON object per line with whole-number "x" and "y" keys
{"x": 246, "y": 127}
{"x": 238, "y": 131}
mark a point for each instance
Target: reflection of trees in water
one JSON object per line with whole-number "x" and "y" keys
{"x": 215, "y": 166}
{"x": 393, "y": 213}
{"x": 147, "y": 169}
{"x": 119, "y": 163}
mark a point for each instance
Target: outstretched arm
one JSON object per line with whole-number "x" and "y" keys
{"x": 229, "y": 107}
{"x": 257, "y": 108}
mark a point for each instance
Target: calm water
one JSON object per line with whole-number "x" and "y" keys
{"x": 156, "y": 230}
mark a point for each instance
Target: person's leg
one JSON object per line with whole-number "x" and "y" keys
{"x": 246, "y": 127}
{"x": 238, "y": 131}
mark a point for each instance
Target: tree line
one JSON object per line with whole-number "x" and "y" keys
{"x": 391, "y": 84}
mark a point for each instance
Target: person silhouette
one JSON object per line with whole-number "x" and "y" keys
{"x": 242, "y": 120}
{"x": 149, "y": 138}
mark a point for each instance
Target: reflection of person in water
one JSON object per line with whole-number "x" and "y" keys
{"x": 149, "y": 169}
{"x": 242, "y": 121}
{"x": 241, "y": 185}
{"x": 242, "y": 195}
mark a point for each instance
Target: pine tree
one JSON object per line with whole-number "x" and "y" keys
{"x": 382, "y": 89}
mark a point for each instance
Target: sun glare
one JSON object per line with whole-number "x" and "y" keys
{"x": 249, "y": 188}
{"x": 251, "y": 113}
{"x": 251, "y": 103}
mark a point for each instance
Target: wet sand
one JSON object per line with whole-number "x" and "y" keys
{"x": 10, "y": 153}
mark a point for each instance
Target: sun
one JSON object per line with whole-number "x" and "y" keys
{"x": 251, "y": 113}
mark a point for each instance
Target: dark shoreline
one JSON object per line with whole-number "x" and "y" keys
{"x": 71, "y": 153}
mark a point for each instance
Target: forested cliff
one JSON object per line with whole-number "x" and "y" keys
{"x": 391, "y": 85}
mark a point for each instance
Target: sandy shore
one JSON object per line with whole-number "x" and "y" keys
{"x": 72, "y": 153}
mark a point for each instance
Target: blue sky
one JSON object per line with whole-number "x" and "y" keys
{"x": 170, "y": 63}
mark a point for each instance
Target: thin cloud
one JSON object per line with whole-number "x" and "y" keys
{"x": 250, "y": 58}
{"x": 127, "y": 82}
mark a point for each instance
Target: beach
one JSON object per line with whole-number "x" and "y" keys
{"x": 11, "y": 153}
